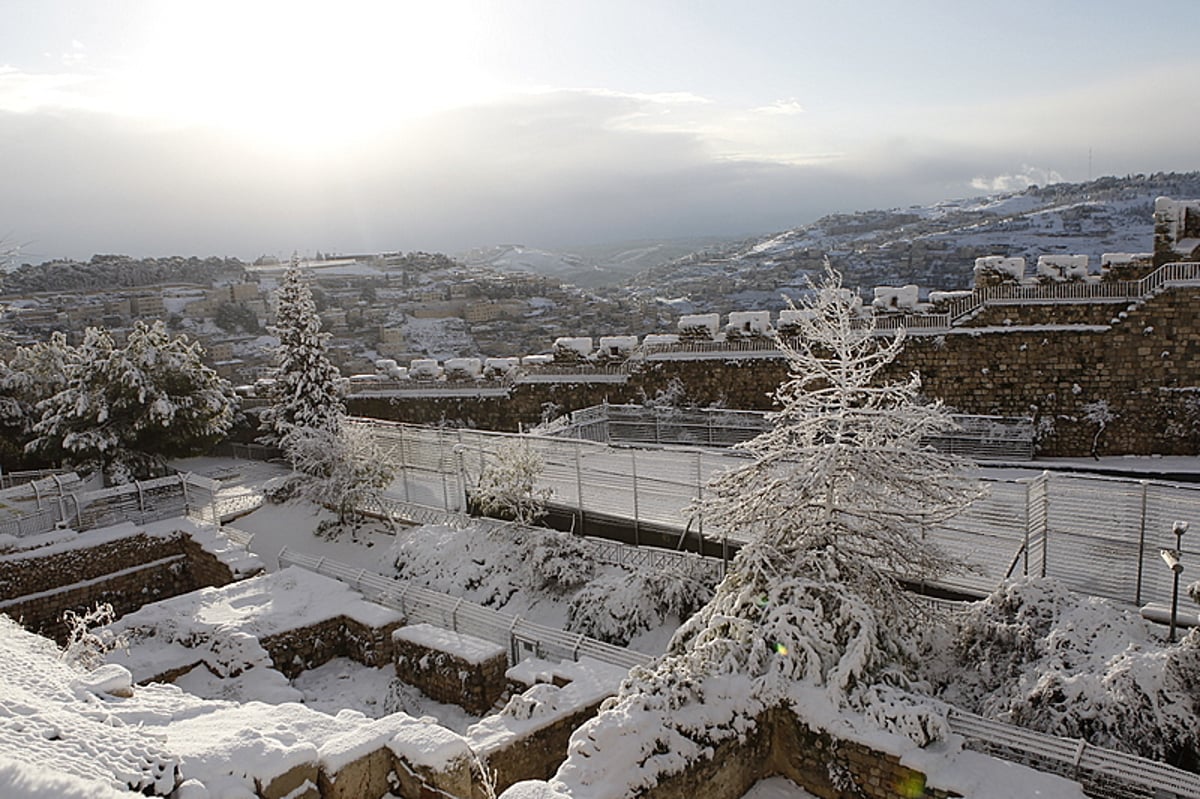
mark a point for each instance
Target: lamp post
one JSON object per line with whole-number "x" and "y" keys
{"x": 1171, "y": 558}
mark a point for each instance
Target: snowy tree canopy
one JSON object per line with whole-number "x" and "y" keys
{"x": 124, "y": 410}
{"x": 844, "y": 466}
{"x": 305, "y": 393}
{"x": 835, "y": 500}
{"x": 35, "y": 373}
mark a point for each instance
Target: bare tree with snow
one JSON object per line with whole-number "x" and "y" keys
{"x": 508, "y": 485}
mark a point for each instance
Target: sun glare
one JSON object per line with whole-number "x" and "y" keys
{"x": 308, "y": 77}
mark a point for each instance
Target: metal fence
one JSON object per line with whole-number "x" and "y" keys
{"x": 1098, "y": 535}
{"x": 522, "y": 638}
{"x": 140, "y": 502}
{"x": 1103, "y": 773}
{"x": 978, "y": 437}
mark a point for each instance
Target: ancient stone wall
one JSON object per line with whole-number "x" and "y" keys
{"x": 302, "y": 648}
{"x": 126, "y": 572}
{"x": 1144, "y": 366}
{"x": 443, "y": 675}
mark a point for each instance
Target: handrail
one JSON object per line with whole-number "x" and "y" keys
{"x": 433, "y": 607}
{"x": 1073, "y": 758}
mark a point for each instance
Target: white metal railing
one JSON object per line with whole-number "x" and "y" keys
{"x": 1100, "y": 536}
{"x": 1102, "y": 772}
{"x": 522, "y": 638}
{"x": 979, "y": 437}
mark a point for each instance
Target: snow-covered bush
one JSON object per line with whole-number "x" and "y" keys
{"x": 615, "y": 608}
{"x": 1100, "y": 414}
{"x": 1035, "y": 654}
{"x": 507, "y": 486}
{"x": 557, "y": 561}
{"x": 342, "y": 469}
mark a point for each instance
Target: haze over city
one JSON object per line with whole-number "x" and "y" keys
{"x": 249, "y": 128}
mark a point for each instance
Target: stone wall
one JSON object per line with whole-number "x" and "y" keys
{"x": 475, "y": 685}
{"x": 302, "y": 648}
{"x": 126, "y": 572}
{"x": 1145, "y": 366}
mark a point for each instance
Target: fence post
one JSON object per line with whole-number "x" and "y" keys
{"x": 579, "y": 482}
{"x": 1141, "y": 543}
{"x": 403, "y": 462}
{"x": 699, "y": 507}
{"x": 637, "y": 541}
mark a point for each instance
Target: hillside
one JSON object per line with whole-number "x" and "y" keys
{"x": 932, "y": 246}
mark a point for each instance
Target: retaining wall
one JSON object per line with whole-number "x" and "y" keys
{"x": 126, "y": 572}
{"x": 1145, "y": 367}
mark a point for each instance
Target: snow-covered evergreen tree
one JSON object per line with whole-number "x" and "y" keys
{"x": 125, "y": 410}
{"x": 305, "y": 394}
{"x": 836, "y": 500}
{"x": 844, "y": 467}
{"x": 35, "y": 373}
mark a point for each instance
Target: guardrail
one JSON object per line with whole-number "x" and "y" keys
{"x": 522, "y": 638}
{"x": 1104, "y": 773}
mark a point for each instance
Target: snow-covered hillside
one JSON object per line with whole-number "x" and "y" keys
{"x": 932, "y": 246}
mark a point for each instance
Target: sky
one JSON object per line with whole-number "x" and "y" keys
{"x": 156, "y": 127}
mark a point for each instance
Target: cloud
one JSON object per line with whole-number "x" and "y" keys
{"x": 789, "y": 107}
{"x": 548, "y": 168}
{"x": 1028, "y": 176}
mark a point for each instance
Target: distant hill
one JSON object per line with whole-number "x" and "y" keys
{"x": 933, "y": 246}
{"x": 107, "y": 272}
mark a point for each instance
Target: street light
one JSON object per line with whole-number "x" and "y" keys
{"x": 1171, "y": 558}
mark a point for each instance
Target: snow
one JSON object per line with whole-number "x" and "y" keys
{"x": 709, "y": 322}
{"x": 1061, "y": 268}
{"x": 222, "y": 626}
{"x": 903, "y": 298}
{"x": 777, "y": 788}
{"x": 618, "y": 345}
{"x": 464, "y": 367}
{"x": 1011, "y": 268}
{"x": 749, "y": 322}
{"x": 580, "y": 345}
{"x": 465, "y": 647}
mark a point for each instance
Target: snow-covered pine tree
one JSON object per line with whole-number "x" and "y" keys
{"x": 305, "y": 392}
{"x": 124, "y": 411}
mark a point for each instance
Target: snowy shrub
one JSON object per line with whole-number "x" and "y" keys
{"x": 1099, "y": 414}
{"x": 557, "y": 561}
{"x": 341, "y": 469}
{"x": 616, "y": 607}
{"x": 88, "y": 637}
{"x": 1035, "y": 654}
